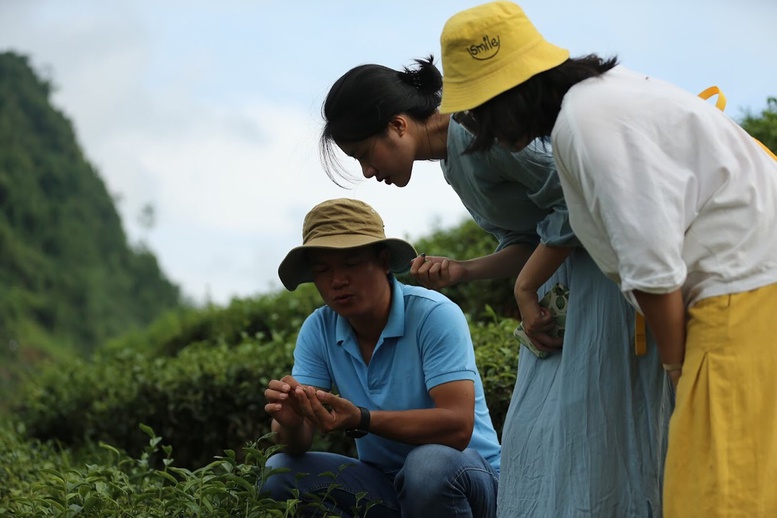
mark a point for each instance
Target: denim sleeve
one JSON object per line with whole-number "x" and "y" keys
{"x": 504, "y": 236}
{"x": 537, "y": 171}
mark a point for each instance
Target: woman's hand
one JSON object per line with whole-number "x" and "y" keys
{"x": 436, "y": 272}
{"x": 537, "y": 321}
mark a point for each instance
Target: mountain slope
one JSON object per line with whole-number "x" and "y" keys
{"x": 67, "y": 273}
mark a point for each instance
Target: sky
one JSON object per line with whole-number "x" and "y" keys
{"x": 211, "y": 111}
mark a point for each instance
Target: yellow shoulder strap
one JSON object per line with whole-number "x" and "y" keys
{"x": 640, "y": 336}
{"x": 720, "y": 104}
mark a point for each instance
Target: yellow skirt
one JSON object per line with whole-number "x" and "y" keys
{"x": 722, "y": 455}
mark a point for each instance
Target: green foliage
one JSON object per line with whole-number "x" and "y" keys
{"x": 764, "y": 127}
{"x": 209, "y": 396}
{"x": 66, "y": 268}
{"x": 496, "y": 354}
{"x": 37, "y": 480}
{"x": 204, "y": 400}
{"x": 203, "y": 397}
{"x": 260, "y": 318}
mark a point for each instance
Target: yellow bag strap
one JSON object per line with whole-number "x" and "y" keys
{"x": 720, "y": 104}
{"x": 640, "y": 336}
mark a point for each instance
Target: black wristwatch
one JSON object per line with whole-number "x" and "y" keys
{"x": 364, "y": 425}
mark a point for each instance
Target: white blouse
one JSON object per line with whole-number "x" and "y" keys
{"x": 664, "y": 190}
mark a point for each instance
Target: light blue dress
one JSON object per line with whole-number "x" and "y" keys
{"x": 585, "y": 434}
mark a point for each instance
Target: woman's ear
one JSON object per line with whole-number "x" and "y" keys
{"x": 399, "y": 124}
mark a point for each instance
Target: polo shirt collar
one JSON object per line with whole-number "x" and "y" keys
{"x": 395, "y": 326}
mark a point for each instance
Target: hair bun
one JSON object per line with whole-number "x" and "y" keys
{"x": 424, "y": 76}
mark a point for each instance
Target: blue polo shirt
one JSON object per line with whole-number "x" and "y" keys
{"x": 425, "y": 343}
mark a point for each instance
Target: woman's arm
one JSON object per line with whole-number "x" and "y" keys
{"x": 665, "y": 315}
{"x": 437, "y": 272}
{"x": 537, "y": 321}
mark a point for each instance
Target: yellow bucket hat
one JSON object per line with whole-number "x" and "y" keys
{"x": 341, "y": 223}
{"x": 488, "y": 49}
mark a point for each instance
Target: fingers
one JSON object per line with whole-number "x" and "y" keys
{"x": 281, "y": 402}
{"x": 545, "y": 342}
{"x": 288, "y": 401}
{"x": 276, "y": 392}
{"x": 312, "y": 408}
{"x": 538, "y": 329}
{"x": 431, "y": 272}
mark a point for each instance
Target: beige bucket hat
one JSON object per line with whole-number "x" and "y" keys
{"x": 341, "y": 223}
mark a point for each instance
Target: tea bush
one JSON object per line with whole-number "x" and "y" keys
{"x": 198, "y": 377}
{"x": 36, "y": 480}
{"x": 206, "y": 398}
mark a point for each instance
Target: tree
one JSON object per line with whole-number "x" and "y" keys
{"x": 764, "y": 127}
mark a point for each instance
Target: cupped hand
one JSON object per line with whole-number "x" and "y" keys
{"x": 435, "y": 272}
{"x": 537, "y": 321}
{"x": 283, "y": 402}
{"x": 326, "y": 411}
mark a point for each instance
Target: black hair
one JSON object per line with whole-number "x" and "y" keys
{"x": 529, "y": 110}
{"x": 362, "y": 102}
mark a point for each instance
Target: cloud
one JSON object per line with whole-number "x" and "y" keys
{"x": 210, "y": 112}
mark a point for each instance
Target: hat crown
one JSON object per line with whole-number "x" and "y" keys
{"x": 489, "y": 49}
{"x": 341, "y": 217}
{"x": 342, "y": 223}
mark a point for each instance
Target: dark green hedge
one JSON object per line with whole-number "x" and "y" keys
{"x": 197, "y": 376}
{"x": 208, "y": 398}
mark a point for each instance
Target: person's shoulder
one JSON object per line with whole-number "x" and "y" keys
{"x": 418, "y": 298}
{"x": 598, "y": 105}
{"x": 459, "y": 139}
{"x": 322, "y": 317}
{"x": 593, "y": 93}
{"x": 410, "y": 291}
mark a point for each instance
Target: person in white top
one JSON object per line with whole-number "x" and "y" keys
{"x": 677, "y": 204}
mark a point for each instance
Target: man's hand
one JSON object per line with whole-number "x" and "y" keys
{"x": 326, "y": 411}
{"x": 283, "y": 402}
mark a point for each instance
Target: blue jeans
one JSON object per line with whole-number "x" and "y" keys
{"x": 436, "y": 480}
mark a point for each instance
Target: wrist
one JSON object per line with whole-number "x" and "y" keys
{"x": 363, "y": 427}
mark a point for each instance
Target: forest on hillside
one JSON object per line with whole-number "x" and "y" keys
{"x": 70, "y": 279}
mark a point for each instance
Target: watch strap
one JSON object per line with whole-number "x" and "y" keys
{"x": 363, "y": 427}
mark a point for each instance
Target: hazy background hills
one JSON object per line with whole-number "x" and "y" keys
{"x": 69, "y": 278}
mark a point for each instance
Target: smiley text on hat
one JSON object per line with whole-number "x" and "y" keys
{"x": 487, "y": 48}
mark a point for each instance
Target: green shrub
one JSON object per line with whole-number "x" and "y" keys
{"x": 198, "y": 377}
{"x": 496, "y": 353}
{"x": 36, "y": 481}
{"x": 259, "y": 318}
{"x": 207, "y": 398}
{"x": 204, "y": 400}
